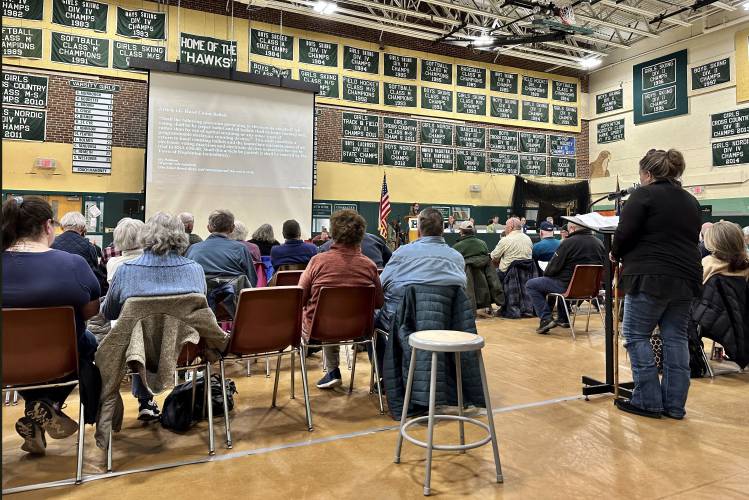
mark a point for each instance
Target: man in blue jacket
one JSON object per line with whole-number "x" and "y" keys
{"x": 293, "y": 250}
{"x": 544, "y": 250}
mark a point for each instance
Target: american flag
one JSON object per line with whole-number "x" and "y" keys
{"x": 384, "y": 208}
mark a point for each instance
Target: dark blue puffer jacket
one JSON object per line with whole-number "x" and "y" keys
{"x": 430, "y": 307}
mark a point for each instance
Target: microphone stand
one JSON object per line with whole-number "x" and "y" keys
{"x": 599, "y": 199}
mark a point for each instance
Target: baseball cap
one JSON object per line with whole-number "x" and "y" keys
{"x": 466, "y": 224}
{"x": 546, "y": 226}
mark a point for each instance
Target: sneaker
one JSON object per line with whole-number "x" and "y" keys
{"x": 148, "y": 410}
{"x": 33, "y": 436}
{"x": 563, "y": 324}
{"x": 626, "y": 405}
{"x": 545, "y": 326}
{"x": 330, "y": 380}
{"x": 56, "y": 423}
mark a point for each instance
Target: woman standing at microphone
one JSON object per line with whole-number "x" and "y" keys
{"x": 656, "y": 241}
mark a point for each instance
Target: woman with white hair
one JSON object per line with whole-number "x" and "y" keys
{"x": 161, "y": 270}
{"x": 263, "y": 238}
{"x": 127, "y": 242}
{"x": 73, "y": 240}
{"x": 240, "y": 234}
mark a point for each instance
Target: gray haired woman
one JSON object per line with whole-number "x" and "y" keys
{"x": 127, "y": 241}
{"x": 161, "y": 270}
{"x": 263, "y": 238}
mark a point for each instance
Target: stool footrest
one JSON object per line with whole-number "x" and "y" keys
{"x": 445, "y": 447}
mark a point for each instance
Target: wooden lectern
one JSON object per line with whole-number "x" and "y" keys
{"x": 413, "y": 228}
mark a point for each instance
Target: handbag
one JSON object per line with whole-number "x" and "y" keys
{"x": 179, "y": 414}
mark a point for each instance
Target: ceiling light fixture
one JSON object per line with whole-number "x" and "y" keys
{"x": 746, "y": 6}
{"x": 590, "y": 63}
{"x": 326, "y": 8}
{"x": 483, "y": 40}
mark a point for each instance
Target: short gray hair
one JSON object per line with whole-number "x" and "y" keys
{"x": 164, "y": 233}
{"x": 240, "y": 231}
{"x": 73, "y": 220}
{"x": 186, "y": 217}
{"x": 264, "y": 233}
{"x": 746, "y": 231}
{"x": 127, "y": 234}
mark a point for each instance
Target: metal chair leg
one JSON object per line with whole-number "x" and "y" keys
{"x": 348, "y": 356}
{"x": 324, "y": 361}
{"x": 572, "y": 323}
{"x": 81, "y": 439}
{"x": 209, "y": 405}
{"x": 377, "y": 375}
{"x": 459, "y": 379}
{"x": 293, "y": 378}
{"x": 587, "y": 322}
{"x": 275, "y": 384}
{"x": 430, "y": 427}
{"x": 353, "y": 370}
{"x": 109, "y": 452}
{"x": 600, "y": 311}
{"x": 406, "y": 403}
{"x": 490, "y": 418}
{"x": 707, "y": 361}
{"x": 249, "y": 370}
{"x": 267, "y": 367}
{"x": 226, "y": 405}
{"x": 305, "y": 386}
{"x": 7, "y": 398}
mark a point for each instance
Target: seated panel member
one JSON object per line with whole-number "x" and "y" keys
{"x": 218, "y": 254}
{"x": 581, "y": 247}
{"x": 294, "y": 250}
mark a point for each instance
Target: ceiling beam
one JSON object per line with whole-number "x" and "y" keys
{"x": 645, "y": 13}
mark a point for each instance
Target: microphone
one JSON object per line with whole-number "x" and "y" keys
{"x": 622, "y": 193}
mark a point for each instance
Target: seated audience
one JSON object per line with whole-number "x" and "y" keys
{"x": 580, "y": 248}
{"x": 220, "y": 256}
{"x": 127, "y": 242}
{"x": 73, "y": 239}
{"x": 294, "y": 250}
{"x": 189, "y": 222}
{"x": 544, "y": 250}
{"x": 482, "y": 285}
{"x": 263, "y": 238}
{"x": 704, "y": 252}
{"x": 34, "y": 275}
{"x": 343, "y": 265}
{"x": 494, "y": 226}
{"x": 722, "y": 311}
{"x": 372, "y": 246}
{"x": 515, "y": 245}
{"x": 452, "y": 225}
{"x": 427, "y": 261}
{"x": 321, "y": 238}
{"x": 160, "y": 271}
{"x": 240, "y": 234}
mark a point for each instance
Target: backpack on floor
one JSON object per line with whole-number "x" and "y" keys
{"x": 176, "y": 414}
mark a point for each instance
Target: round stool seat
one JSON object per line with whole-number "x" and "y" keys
{"x": 446, "y": 341}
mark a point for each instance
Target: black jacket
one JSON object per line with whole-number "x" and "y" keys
{"x": 430, "y": 307}
{"x": 581, "y": 247}
{"x": 723, "y": 315}
{"x": 658, "y": 233}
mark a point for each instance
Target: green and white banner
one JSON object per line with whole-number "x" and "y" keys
{"x": 85, "y": 14}
{"x": 20, "y": 89}
{"x": 23, "y": 9}
{"x": 22, "y": 42}
{"x": 123, "y": 51}
{"x": 141, "y": 24}
{"x": 207, "y": 51}
{"x": 24, "y": 124}
{"x": 85, "y": 50}
{"x": 268, "y": 44}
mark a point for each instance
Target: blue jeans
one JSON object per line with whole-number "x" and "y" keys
{"x": 642, "y": 313}
{"x": 139, "y": 390}
{"x": 537, "y": 289}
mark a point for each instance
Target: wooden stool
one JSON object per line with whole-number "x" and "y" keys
{"x": 447, "y": 341}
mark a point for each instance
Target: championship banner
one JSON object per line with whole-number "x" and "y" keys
{"x": 141, "y": 24}
{"x": 24, "y": 124}
{"x": 123, "y": 51}
{"x": 22, "y": 42}
{"x": 23, "y": 9}
{"x": 85, "y": 50}
{"x": 207, "y": 51}
{"x": 20, "y": 89}
{"x": 85, "y": 14}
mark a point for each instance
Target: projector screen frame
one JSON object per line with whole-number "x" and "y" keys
{"x": 149, "y": 65}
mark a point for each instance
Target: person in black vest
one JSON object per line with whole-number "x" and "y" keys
{"x": 657, "y": 243}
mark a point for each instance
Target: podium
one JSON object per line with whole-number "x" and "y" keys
{"x": 591, "y": 385}
{"x": 413, "y": 228}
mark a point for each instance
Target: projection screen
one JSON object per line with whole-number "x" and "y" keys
{"x": 216, "y": 143}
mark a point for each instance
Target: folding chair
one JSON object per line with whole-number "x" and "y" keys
{"x": 583, "y": 286}
{"x": 286, "y": 278}
{"x": 343, "y": 316}
{"x": 268, "y": 321}
{"x": 40, "y": 349}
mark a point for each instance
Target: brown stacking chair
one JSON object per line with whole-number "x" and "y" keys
{"x": 268, "y": 321}
{"x": 291, "y": 267}
{"x": 343, "y": 316}
{"x": 584, "y": 286}
{"x": 286, "y": 278}
{"x": 40, "y": 348}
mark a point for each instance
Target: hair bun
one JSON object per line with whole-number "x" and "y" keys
{"x": 675, "y": 158}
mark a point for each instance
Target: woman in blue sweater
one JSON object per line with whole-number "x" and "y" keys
{"x": 161, "y": 270}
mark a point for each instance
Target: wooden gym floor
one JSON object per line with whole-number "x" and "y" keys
{"x": 553, "y": 443}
